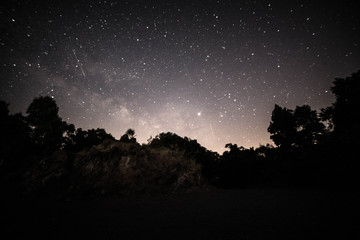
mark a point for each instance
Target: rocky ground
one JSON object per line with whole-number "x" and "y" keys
{"x": 213, "y": 214}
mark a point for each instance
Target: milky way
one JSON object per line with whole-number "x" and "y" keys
{"x": 209, "y": 70}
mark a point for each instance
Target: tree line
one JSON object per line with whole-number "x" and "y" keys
{"x": 312, "y": 148}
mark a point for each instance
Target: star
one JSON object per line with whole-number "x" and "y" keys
{"x": 158, "y": 67}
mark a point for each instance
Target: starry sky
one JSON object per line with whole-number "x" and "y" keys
{"x": 209, "y": 70}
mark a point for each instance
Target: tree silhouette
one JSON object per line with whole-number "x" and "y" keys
{"x": 169, "y": 140}
{"x": 343, "y": 114}
{"x": 14, "y": 141}
{"x": 298, "y": 128}
{"x": 282, "y": 127}
{"x": 86, "y": 139}
{"x": 129, "y": 136}
{"x": 130, "y": 132}
{"x": 308, "y": 126}
{"x": 343, "y": 132}
{"x": 48, "y": 129}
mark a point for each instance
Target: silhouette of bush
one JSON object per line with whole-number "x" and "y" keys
{"x": 117, "y": 168}
{"x": 129, "y": 136}
{"x": 86, "y": 139}
{"x": 192, "y": 150}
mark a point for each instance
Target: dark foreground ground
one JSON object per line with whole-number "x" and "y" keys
{"x": 216, "y": 214}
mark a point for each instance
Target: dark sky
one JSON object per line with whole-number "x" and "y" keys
{"x": 209, "y": 70}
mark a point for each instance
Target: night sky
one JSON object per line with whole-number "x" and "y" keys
{"x": 209, "y": 70}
